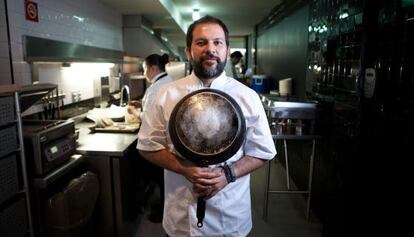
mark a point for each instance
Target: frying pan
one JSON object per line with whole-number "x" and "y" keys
{"x": 207, "y": 127}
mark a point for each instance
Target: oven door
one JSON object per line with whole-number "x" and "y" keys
{"x": 55, "y": 153}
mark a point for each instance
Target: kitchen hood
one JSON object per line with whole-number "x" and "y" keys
{"x": 47, "y": 50}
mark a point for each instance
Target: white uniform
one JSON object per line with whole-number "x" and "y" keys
{"x": 228, "y": 213}
{"x": 228, "y": 68}
{"x": 159, "y": 81}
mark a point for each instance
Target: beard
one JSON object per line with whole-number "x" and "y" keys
{"x": 203, "y": 71}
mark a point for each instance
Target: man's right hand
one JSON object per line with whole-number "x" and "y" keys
{"x": 135, "y": 103}
{"x": 207, "y": 182}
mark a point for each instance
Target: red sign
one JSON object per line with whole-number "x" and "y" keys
{"x": 32, "y": 13}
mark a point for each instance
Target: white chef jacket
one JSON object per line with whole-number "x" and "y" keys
{"x": 228, "y": 68}
{"x": 158, "y": 82}
{"x": 228, "y": 213}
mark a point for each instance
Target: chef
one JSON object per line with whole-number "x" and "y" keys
{"x": 154, "y": 71}
{"x": 228, "y": 209}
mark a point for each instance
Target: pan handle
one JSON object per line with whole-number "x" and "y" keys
{"x": 201, "y": 210}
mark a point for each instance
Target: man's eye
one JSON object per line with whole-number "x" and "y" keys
{"x": 218, "y": 42}
{"x": 199, "y": 43}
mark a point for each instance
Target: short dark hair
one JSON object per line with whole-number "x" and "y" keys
{"x": 236, "y": 54}
{"x": 157, "y": 60}
{"x": 203, "y": 20}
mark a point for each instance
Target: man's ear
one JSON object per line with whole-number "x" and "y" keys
{"x": 188, "y": 53}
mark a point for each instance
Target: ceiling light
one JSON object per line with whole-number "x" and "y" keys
{"x": 196, "y": 14}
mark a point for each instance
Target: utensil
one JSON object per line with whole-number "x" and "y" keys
{"x": 207, "y": 127}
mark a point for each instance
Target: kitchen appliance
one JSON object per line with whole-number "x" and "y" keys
{"x": 48, "y": 143}
{"x": 207, "y": 127}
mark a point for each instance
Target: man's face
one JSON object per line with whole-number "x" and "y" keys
{"x": 208, "y": 51}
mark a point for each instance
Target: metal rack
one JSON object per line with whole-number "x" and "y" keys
{"x": 15, "y": 210}
{"x": 291, "y": 120}
{"x": 41, "y": 93}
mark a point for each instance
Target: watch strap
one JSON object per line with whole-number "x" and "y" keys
{"x": 229, "y": 173}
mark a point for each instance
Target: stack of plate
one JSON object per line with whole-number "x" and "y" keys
{"x": 285, "y": 87}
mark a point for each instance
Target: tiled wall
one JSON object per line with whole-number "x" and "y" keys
{"x": 86, "y": 22}
{"x": 80, "y": 78}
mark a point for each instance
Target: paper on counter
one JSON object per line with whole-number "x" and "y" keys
{"x": 114, "y": 112}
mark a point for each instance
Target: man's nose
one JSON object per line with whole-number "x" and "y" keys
{"x": 211, "y": 48}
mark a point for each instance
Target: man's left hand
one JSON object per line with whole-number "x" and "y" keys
{"x": 208, "y": 187}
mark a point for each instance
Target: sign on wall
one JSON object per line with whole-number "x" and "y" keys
{"x": 32, "y": 13}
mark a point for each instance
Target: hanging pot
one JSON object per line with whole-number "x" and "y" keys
{"x": 207, "y": 127}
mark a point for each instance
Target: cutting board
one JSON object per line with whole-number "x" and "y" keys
{"x": 118, "y": 128}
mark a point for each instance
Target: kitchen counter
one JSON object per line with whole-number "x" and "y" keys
{"x": 112, "y": 157}
{"x": 107, "y": 144}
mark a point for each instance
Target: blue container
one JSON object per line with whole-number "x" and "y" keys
{"x": 260, "y": 84}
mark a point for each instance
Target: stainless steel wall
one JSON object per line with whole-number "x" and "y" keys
{"x": 282, "y": 50}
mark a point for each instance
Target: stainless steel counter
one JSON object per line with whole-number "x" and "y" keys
{"x": 110, "y": 155}
{"x": 302, "y": 114}
{"x": 103, "y": 144}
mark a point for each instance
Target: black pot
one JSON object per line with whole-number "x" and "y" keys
{"x": 207, "y": 127}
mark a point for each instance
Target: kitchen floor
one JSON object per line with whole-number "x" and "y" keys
{"x": 286, "y": 214}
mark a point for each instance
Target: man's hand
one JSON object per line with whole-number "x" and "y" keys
{"x": 207, "y": 182}
{"x": 135, "y": 103}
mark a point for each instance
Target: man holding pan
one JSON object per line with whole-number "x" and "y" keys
{"x": 225, "y": 186}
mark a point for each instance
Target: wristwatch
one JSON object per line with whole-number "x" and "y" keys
{"x": 229, "y": 173}
{"x": 232, "y": 173}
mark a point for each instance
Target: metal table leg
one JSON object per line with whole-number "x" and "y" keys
{"x": 287, "y": 165}
{"x": 311, "y": 166}
{"x": 266, "y": 191}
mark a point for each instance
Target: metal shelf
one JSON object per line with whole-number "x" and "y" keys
{"x": 301, "y": 110}
{"x": 15, "y": 207}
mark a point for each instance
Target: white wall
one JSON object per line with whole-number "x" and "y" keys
{"x": 62, "y": 20}
{"x": 82, "y": 78}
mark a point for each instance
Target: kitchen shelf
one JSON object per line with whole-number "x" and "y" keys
{"x": 289, "y": 115}
{"x": 15, "y": 208}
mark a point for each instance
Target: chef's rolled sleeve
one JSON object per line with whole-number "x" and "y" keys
{"x": 152, "y": 134}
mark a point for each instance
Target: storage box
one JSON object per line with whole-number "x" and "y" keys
{"x": 6, "y": 109}
{"x": 9, "y": 181}
{"x": 8, "y": 140}
{"x": 13, "y": 219}
{"x": 260, "y": 84}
